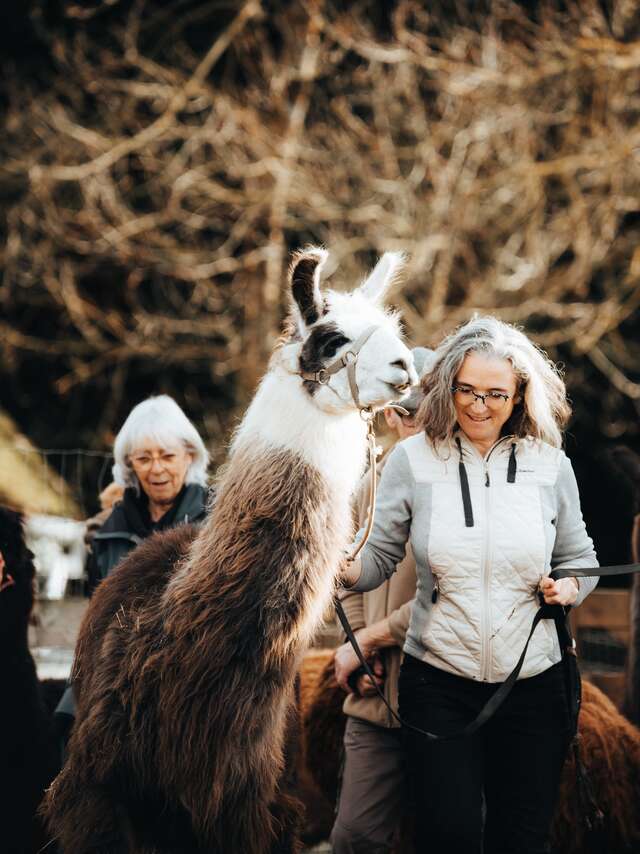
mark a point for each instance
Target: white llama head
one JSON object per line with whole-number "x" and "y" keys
{"x": 325, "y": 325}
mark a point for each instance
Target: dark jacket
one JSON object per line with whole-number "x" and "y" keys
{"x": 129, "y": 524}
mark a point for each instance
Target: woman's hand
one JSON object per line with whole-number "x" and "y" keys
{"x": 364, "y": 686}
{"x": 562, "y": 592}
{"x": 346, "y": 661}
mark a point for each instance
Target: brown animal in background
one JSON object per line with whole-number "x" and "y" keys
{"x": 610, "y": 751}
{"x": 28, "y": 754}
{"x": 319, "y": 811}
{"x": 323, "y": 725}
{"x": 187, "y": 656}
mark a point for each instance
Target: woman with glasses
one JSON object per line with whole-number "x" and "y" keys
{"x": 161, "y": 462}
{"x": 490, "y": 505}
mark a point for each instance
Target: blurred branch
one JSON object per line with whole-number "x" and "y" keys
{"x": 180, "y": 150}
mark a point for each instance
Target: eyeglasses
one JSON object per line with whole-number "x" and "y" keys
{"x": 493, "y": 400}
{"x": 144, "y": 462}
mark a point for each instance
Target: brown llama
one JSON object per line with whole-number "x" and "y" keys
{"x": 186, "y": 659}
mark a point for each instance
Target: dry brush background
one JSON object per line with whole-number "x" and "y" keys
{"x": 160, "y": 160}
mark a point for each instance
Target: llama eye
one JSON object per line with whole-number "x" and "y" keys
{"x": 321, "y": 346}
{"x": 333, "y": 344}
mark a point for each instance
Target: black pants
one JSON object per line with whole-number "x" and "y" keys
{"x": 495, "y": 791}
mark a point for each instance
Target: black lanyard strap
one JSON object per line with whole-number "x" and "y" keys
{"x": 558, "y": 613}
{"x": 596, "y": 571}
{"x": 488, "y": 710}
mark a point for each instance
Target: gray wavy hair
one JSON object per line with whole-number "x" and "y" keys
{"x": 160, "y": 420}
{"x": 543, "y": 410}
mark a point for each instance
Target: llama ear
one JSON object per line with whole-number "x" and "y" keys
{"x": 383, "y": 275}
{"x": 304, "y": 277}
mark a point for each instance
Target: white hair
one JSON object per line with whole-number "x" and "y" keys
{"x": 159, "y": 420}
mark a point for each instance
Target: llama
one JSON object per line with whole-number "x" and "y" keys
{"x": 28, "y": 755}
{"x": 187, "y": 656}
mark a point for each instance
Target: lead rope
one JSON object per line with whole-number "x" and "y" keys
{"x": 367, "y": 415}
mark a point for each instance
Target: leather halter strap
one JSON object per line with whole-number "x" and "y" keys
{"x": 346, "y": 360}
{"x": 373, "y": 484}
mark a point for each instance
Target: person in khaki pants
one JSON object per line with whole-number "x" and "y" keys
{"x": 373, "y": 781}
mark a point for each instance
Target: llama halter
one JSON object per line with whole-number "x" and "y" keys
{"x": 347, "y": 360}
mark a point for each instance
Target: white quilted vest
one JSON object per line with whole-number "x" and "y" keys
{"x": 487, "y": 575}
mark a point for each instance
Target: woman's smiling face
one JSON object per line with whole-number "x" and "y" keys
{"x": 161, "y": 470}
{"x": 483, "y": 374}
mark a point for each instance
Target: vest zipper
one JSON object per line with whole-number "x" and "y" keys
{"x": 485, "y": 670}
{"x": 485, "y": 617}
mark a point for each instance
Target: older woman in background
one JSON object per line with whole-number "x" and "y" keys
{"x": 161, "y": 462}
{"x": 490, "y": 504}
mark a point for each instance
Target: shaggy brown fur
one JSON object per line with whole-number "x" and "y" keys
{"x": 323, "y": 729}
{"x": 185, "y": 668}
{"x": 312, "y": 671}
{"x": 610, "y": 751}
{"x": 318, "y": 810}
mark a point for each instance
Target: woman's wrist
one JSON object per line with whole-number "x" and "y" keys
{"x": 379, "y": 635}
{"x": 363, "y": 636}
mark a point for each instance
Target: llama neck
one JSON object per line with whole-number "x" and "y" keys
{"x": 283, "y": 416}
{"x": 265, "y": 563}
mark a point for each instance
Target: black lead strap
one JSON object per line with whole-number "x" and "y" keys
{"x": 488, "y": 710}
{"x": 513, "y": 465}
{"x": 464, "y": 480}
{"x": 546, "y": 612}
{"x": 464, "y": 488}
